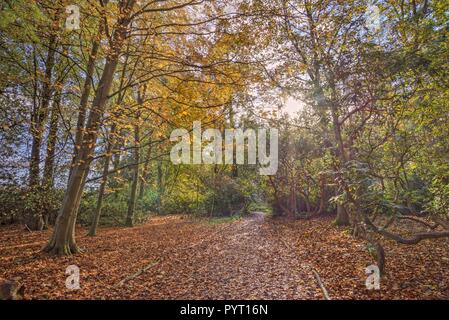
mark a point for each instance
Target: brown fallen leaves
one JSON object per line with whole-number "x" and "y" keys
{"x": 174, "y": 257}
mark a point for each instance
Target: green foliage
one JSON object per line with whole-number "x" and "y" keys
{"x": 26, "y": 205}
{"x": 439, "y": 203}
{"x": 226, "y": 198}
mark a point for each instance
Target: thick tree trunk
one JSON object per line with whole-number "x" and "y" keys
{"x": 63, "y": 239}
{"x": 133, "y": 195}
{"x": 63, "y": 242}
{"x": 82, "y": 111}
{"x": 342, "y": 214}
{"x": 85, "y": 95}
{"x": 110, "y": 144}
{"x": 342, "y": 218}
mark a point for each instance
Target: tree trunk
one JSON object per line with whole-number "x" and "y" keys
{"x": 62, "y": 242}
{"x": 63, "y": 239}
{"x": 51, "y": 143}
{"x": 342, "y": 213}
{"x": 293, "y": 200}
{"x": 80, "y": 126}
{"x": 110, "y": 144}
{"x": 132, "y": 197}
{"x": 342, "y": 218}
{"x": 323, "y": 195}
{"x": 145, "y": 173}
{"x": 104, "y": 180}
{"x": 234, "y": 167}
{"x": 85, "y": 95}
{"x": 41, "y": 114}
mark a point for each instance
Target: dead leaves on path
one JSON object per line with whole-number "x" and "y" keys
{"x": 174, "y": 257}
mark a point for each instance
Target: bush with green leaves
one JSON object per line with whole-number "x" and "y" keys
{"x": 36, "y": 207}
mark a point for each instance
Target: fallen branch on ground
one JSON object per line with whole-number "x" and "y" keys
{"x": 135, "y": 275}
{"x": 321, "y": 284}
{"x": 315, "y": 273}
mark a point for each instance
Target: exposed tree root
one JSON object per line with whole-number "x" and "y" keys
{"x": 61, "y": 250}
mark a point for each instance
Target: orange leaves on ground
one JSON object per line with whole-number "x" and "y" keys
{"x": 175, "y": 257}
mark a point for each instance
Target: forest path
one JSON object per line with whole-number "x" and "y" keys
{"x": 257, "y": 257}
{"x": 244, "y": 260}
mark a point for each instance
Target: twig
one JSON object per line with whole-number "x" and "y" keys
{"x": 135, "y": 275}
{"x": 416, "y": 219}
{"x": 323, "y": 288}
{"x": 317, "y": 276}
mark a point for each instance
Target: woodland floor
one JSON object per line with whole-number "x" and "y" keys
{"x": 251, "y": 258}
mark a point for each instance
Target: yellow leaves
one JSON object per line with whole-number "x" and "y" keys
{"x": 290, "y": 70}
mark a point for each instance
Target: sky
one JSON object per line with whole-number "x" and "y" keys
{"x": 292, "y": 106}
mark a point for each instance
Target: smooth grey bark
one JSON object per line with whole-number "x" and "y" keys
{"x": 342, "y": 218}
{"x": 63, "y": 241}
{"x": 132, "y": 198}
{"x": 48, "y": 178}
{"x": 80, "y": 126}
{"x": 88, "y": 82}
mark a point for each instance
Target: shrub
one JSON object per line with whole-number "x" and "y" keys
{"x": 36, "y": 207}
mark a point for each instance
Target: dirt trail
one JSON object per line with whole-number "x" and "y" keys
{"x": 176, "y": 257}
{"x": 242, "y": 262}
